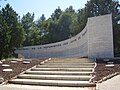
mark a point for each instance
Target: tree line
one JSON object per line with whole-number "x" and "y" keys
{"x": 17, "y": 32}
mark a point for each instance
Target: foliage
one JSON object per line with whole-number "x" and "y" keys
{"x": 11, "y": 32}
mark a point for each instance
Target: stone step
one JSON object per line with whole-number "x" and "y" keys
{"x": 55, "y": 77}
{"x": 68, "y": 72}
{"x": 53, "y": 83}
{"x": 59, "y": 72}
{"x": 38, "y": 87}
{"x": 62, "y": 69}
{"x": 56, "y": 63}
{"x": 65, "y": 66}
{"x": 72, "y": 59}
{"x": 75, "y": 61}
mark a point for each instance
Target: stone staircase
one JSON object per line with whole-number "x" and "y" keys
{"x": 66, "y": 72}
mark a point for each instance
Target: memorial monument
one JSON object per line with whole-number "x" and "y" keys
{"x": 94, "y": 41}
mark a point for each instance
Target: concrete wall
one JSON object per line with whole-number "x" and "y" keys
{"x": 95, "y": 40}
{"x": 100, "y": 37}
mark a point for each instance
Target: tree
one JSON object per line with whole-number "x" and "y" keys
{"x": 55, "y": 16}
{"x": 32, "y": 33}
{"x": 75, "y": 26}
{"x": 63, "y": 27}
{"x": 43, "y": 17}
{"x": 11, "y": 32}
{"x": 42, "y": 25}
{"x": 52, "y": 28}
{"x": 82, "y": 16}
{"x": 59, "y": 26}
{"x": 70, "y": 10}
{"x": 102, "y": 7}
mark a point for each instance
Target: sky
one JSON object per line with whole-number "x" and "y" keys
{"x": 40, "y": 7}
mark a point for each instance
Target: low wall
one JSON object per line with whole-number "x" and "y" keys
{"x": 95, "y": 40}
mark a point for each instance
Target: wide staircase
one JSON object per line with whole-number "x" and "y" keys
{"x": 65, "y": 72}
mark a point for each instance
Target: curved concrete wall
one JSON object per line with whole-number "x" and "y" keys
{"x": 94, "y": 41}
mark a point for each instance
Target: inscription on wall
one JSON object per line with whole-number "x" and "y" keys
{"x": 57, "y": 45}
{"x": 65, "y": 43}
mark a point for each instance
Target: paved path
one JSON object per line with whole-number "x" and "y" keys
{"x": 111, "y": 84}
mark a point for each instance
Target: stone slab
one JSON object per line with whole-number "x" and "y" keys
{"x": 62, "y": 69}
{"x": 26, "y": 62}
{"x": 5, "y": 65}
{"x": 59, "y": 72}
{"x": 1, "y": 62}
{"x": 110, "y": 65}
{"x": 7, "y": 70}
{"x": 34, "y": 87}
{"x": 55, "y": 77}
{"x": 53, "y": 82}
{"x": 13, "y": 61}
{"x": 65, "y": 66}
